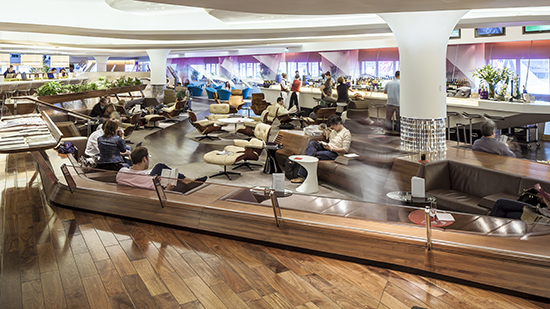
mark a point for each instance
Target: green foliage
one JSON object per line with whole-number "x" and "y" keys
{"x": 55, "y": 88}
{"x": 51, "y": 88}
{"x": 492, "y": 76}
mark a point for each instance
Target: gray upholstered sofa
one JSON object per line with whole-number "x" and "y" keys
{"x": 472, "y": 189}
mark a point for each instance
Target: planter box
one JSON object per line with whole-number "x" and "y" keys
{"x": 66, "y": 97}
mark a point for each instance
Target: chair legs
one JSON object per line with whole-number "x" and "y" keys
{"x": 200, "y": 138}
{"x": 247, "y": 164}
{"x": 226, "y": 173}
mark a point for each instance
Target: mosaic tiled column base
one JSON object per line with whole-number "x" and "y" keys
{"x": 157, "y": 91}
{"x": 423, "y": 135}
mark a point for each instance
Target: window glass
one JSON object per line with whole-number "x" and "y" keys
{"x": 538, "y": 81}
{"x": 368, "y": 68}
{"x": 386, "y": 69}
{"x": 504, "y": 63}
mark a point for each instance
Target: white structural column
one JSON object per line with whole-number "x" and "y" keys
{"x": 158, "y": 57}
{"x": 422, "y": 38}
{"x": 101, "y": 63}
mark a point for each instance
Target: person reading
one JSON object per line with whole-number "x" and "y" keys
{"x": 488, "y": 143}
{"x": 139, "y": 176}
{"x": 339, "y": 141}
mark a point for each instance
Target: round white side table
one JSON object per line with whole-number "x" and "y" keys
{"x": 310, "y": 184}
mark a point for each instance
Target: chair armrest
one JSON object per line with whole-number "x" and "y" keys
{"x": 205, "y": 122}
{"x": 240, "y": 142}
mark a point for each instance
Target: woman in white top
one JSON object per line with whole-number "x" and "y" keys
{"x": 285, "y": 89}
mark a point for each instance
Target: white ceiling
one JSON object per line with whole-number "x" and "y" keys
{"x": 128, "y": 27}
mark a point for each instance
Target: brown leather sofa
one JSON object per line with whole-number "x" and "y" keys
{"x": 472, "y": 189}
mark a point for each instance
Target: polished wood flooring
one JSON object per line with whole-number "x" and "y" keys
{"x": 54, "y": 257}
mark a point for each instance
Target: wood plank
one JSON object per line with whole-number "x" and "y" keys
{"x": 281, "y": 256}
{"x": 97, "y": 296}
{"x": 248, "y": 275}
{"x": 336, "y": 280}
{"x": 54, "y": 297}
{"x": 121, "y": 301}
{"x": 118, "y": 228}
{"x": 138, "y": 292}
{"x": 406, "y": 298}
{"x": 78, "y": 245}
{"x": 120, "y": 260}
{"x": 68, "y": 269}
{"x": 418, "y": 293}
{"x": 265, "y": 258}
{"x": 276, "y": 300}
{"x": 309, "y": 291}
{"x": 85, "y": 265}
{"x": 373, "y": 289}
{"x": 177, "y": 262}
{"x": 149, "y": 277}
{"x": 228, "y": 275}
{"x": 132, "y": 250}
{"x": 76, "y": 298}
{"x": 202, "y": 269}
{"x": 46, "y": 257}
{"x": 228, "y": 296}
{"x": 10, "y": 280}
{"x": 93, "y": 242}
{"x": 173, "y": 240}
{"x": 111, "y": 280}
{"x": 330, "y": 291}
{"x": 254, "y": 300}
{"x": 391, "y": 302}
{"x": 178, "y": 288}
{"x": 193, "y": 305}
{"x": 157, "y": 260}
{"x": 281, "y": 286}
{"x": 32, "y": 296}
{"x": 166, "y": 300}
{"x": 307, "y": 306}
{"x": 195, "y": 243}
{"x": 104, "y": 232}
{"x": 203, "y": 293}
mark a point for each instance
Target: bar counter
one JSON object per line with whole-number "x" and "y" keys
{"x": 514, "y": 113}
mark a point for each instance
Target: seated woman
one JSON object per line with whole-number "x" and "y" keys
{"x": 512, "y": 209}
{"x": 339, "y": 142}
{"x": 138, "y": 176}
{"x": 111, "y": 147}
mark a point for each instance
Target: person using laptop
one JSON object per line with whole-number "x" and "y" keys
{"x": 11, "y": 71}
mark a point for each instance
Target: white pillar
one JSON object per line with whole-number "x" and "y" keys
{"x": 101, "y": 63}
{"x": 422, "y": 38}
{"x": 157, "y": 58}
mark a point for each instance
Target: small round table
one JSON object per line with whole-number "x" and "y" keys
{"x": 271, "y": 166}
{"x": 235, "y": 121}
{"x": 310, "y": 184}
{"x": 407, "y": 198}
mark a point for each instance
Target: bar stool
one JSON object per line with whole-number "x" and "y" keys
{"x": 378, "y": 106}
{"x": 495, "y": 119}
{"x": 470, "y": 117}
{"x": 458, "y": 125}
{"x": 449, "y": 115}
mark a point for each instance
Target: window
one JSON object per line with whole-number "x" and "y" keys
{"x": 249, "y": 70}
{"x": 368, "y": 68}
{"x": 504, "y": 63}
{"x": 314, "y": 69}
{"x": 302, "y": 68}
{"x": 212, "y": 69}
{"x": 386, "y": 68}
{"x": 537, "y": 76}
{"x": 282, "y": 67}
{"x": 492, "y": 31}
{"x": 536, "y": 29}
{"x": 291, "y": 68}
{"x": 455, "y": 34}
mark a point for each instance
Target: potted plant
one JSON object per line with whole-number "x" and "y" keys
{"x": 492, "y": 77}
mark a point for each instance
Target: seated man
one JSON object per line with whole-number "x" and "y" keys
{"x": 339, "y": 142}
{"x": 99, "y": 109}
{"x": 138, "y": 176}
{"x": 488, "y": 143}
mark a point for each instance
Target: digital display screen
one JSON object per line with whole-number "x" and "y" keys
{"x": 455, "y": 34}
{"x": 493, "y": 31}
{"x": 536, "y": 29}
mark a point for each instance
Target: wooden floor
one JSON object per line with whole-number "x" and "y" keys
{"x": 54, "y": 257}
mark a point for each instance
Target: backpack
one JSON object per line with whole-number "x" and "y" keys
{"x": 291, "y": 169}
{"x": 66, "y": 147}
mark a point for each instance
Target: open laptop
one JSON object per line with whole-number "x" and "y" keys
{"x": 50, "y": 76}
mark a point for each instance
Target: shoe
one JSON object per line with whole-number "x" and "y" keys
{"x": 297, "y": 180}
{"x": 139, "y": 144}
{"x": 201, "y": 179}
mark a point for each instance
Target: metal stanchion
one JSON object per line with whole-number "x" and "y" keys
{"x": 275, "y": 204}
{"x": 427, "y": 213}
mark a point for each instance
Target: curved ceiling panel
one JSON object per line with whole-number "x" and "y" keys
{"x": 330, "y": 7}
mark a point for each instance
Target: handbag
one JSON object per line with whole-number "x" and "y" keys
{"x": 529, "y": 196}
{"x": 536, "y": 215}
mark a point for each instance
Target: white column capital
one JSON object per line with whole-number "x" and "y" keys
{"x": 101, "y": 63}
{"x": 158, "y": 57}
